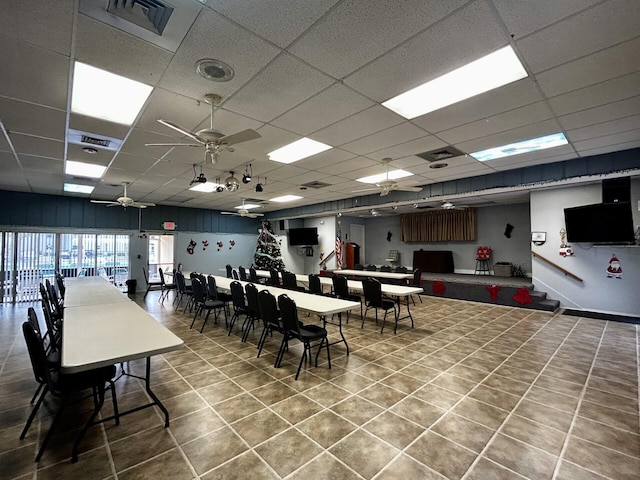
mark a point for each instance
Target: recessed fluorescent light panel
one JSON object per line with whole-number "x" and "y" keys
{"x": 492, "y": 71}
{"x": 532, "y": 145}
{"x": 105, "y": 95}
{"x": 206, "y": 187}
{"x": 286, "y": 198}
{"x": 248, "y": 206}
{"x": 81, "y": 169}
{"x": 74, "y": 188}
{"x": 303, "y": 148}
{"x": 393, "y": 175}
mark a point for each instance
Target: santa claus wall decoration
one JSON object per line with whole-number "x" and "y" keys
{"x": 614, "y": 270}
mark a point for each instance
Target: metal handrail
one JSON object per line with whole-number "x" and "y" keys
{"x": 557, "y": 267}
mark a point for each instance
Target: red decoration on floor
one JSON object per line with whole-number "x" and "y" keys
{"x": 438, "y": 287}
{"x": 493, "y": 291}
{"x": 522, "y": 296}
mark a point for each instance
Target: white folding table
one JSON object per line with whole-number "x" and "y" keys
{"x": 375, "y": 274}
{"x": 81, "y": 291}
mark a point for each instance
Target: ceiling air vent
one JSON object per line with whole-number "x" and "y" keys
{"x": 151, "y": 15}
{"x": 315, "y": 185}
{"x": 95, "y": 141}
{"x": 440, "y": 154}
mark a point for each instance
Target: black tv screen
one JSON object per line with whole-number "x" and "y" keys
{"x": 303, "y": 236}
{"x": 600, "y": 223}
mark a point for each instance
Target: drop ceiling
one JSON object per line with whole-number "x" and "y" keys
{"x": 320, "y": 69}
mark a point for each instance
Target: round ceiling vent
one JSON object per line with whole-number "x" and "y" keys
{"x": 438, "y": 165}
{"x": 214, "y": 70}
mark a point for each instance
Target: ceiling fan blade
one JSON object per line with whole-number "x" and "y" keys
{"x": 364, "y": 190}
{"x": 243, "y": 136}
{"x": 410, "y": 189}
{"x": 182, "y": 130}
{"x": 228, "y": 213}
{"x": 142, "y": 204}
{"x": 385, "y": 192}
{"x": 105, "y": 202}
{"x": 254, "y": 215}
{"x": 172, "y": 145}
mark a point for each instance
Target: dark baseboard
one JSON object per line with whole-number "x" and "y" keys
{"x": 602, "y": 316}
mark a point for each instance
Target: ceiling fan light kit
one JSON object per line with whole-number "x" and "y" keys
{"x": 124, "y": 201}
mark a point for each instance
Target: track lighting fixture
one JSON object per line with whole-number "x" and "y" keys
{"x": 260, "y": 186}
{"x": 248, "y": 173}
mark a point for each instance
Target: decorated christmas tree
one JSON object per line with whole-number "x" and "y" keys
{"x": 268, "y": 254}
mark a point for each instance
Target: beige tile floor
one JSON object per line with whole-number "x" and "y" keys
{"x": 474, "y": 391}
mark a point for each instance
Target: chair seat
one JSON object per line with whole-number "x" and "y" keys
{"x": 208, "y": 304}
{"x": 73, "y": 382}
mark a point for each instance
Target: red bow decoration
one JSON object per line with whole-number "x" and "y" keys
{"x": 522, "y": 296}
{"x": 438, "y": 287}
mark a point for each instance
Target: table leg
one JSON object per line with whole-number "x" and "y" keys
{"x": 339, "y": 324}
{"x": 156, "y": 400}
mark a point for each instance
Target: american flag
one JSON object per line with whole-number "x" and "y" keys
{"x": 338, "y": 251}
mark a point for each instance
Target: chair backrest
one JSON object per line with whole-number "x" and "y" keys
{"x": 483, "y": 253}
{"x": 394, "y": 256}
{"x": 229, "y": 270}
{"x": 243, "y": 273}
{"x": 289, "y": 314}
{"x": 60, "y": 282}
{"x": 54, "y": 303}
{"x": 179, "y": 279}
{"x": 237, "y": 295}
{"x": 371, "y": 267}
{"x": 32, "y": 318}
{"x": 161, "y": 273}
{"x": 315, "y": 286}
{"x": 400, "y": 269}
{"x": 253, "y": 276}
{"x": 340, "y": 286}
{"x": 37, "y": 355}
{"x": 252, "y": 299}
{"x": 198, "y": 290}
{"x": 289, "y": 280}
{"x": 234, "y": 274}
{"x": 146, "y": 276}
{"x": 385, "y": 268}
{"x": 417, "y": 277}
{"x": 212, "y": 288}
{"x": 358, "y": 266}
{"x": 275, "y": 278}
{"x": 372, "y": 291}
{"x": 268, "y": 307}
{"x": 48, "y": 319}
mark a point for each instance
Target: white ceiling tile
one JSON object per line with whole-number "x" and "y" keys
{"x": 578, "y": 36}
{"x": 102, "y": 157}
{"x": 387, "y": 138}
{"x": 360, "y": 165}
{"x": 134, "y": 163}
{"x": 279, "y": 21}
{"x": 106, "y": 47}
{"x": 434, "y": 52}
{"x": 282, "y": 85}
{"x": 37, "y": 146}
{"x": 463, "y": 171}
{"x": 509, "y": 97}
{"x": 522, "y": 17}
{"x": 420, "y": 145}
{"x": 326, "y": 158}
{"x": 272, "y": 139}
{"x": 610, "y": 148}
{"x": 599, "y": 94}
{"x": 214, "y": 36}
{"x": 520, "y": 163}
{"x": 24, "y": 117}
{"x": 614, "y": 139}
{"x": 519, "y": 117}
{"x": 369, "y": 121}
{"x": 606, "y": 128}
{"x": 97, "y": 127}
{"x": 329, "y": 106}
{"x": 24, "y": 20}
{"x": 24, "y": 79}
{"x": 138, "y": 138}
{"x": 532, "y": 158}
{"x": 601, "y": 66}
{"x": 376, "y": 24}
{"x": 176, "y": 108}
{"x": 229, "y": 122}
{"x": 41, "y": 164}
{"x": 603, "y": 113}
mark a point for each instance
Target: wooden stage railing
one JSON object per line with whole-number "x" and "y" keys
{"x": 557, "y": 267}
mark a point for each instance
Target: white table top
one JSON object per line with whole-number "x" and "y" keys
{"x": 387, "y": 288}
{"x": 316, "y": 304}
{"x": 99, "y": 335}
{"x": 367, "y": 273}
{"x": 81, "y": 291}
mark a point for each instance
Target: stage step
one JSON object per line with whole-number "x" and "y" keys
{"x": 472, "y": 288}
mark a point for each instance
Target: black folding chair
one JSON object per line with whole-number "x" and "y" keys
{"x": 373, "y": 299}
{"x": 239, "y": 305}
{"x": 201, "y": 303}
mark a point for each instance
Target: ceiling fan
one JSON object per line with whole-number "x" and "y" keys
{"x": 124, "y": 201}
{"x": 388, "y": 185}
{"x": 213, "y": 140}
{"x": 243, "y": 212}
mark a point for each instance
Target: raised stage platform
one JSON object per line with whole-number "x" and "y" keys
{"x": 511, "y": 291}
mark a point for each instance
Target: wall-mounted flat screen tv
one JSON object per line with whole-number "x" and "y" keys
{"x": 610, "y": 223}
{"x": 303, "y": 236}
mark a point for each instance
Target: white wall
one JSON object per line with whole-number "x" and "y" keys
{"x": 597, "y": 292}
{"x": 213, "y": 258}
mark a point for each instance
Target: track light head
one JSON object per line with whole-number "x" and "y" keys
{"x": 259, "y": 187}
